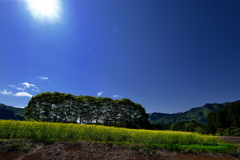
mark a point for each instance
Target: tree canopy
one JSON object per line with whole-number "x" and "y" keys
{"x": 62, "y": 107}
{"x": 225, "y": 118}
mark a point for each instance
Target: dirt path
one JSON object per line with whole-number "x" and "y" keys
{"x": 103, "y": 151}
{"x": 231, "y": 139}
{"x": 115, "y": 155}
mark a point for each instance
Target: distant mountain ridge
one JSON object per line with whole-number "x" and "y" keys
{"x": 9, "y": 112}
{"x": 198, "y": 114}
{"x": 155, "y": 115}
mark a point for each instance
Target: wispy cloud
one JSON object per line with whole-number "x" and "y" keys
{"x": 116, "y": 96}
{"x": 6, "y": 92}
{"x": 17, "y": 88}
{"x": 21, "y": 90}
{"x": 28, "y": 85}
{"x": 99, "y": 93}
{"x": 42, "y": 78}
{"x": 10, "y": 85}
{"x": 24, "y": 86}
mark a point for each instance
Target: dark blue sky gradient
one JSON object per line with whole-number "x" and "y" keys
{"x": 167, "y": 55}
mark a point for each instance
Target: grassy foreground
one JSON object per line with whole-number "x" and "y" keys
{"x": 75, "y": 132}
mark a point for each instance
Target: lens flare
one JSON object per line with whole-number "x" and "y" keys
{"x": 45, "y": 10}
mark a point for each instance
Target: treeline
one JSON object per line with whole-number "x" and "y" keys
{"x": 188, "y": 126}
{"x": 225, "y": 121}
{"x": 68, "y": 108}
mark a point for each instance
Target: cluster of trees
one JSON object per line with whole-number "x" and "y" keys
{"x": 226, "y": 121}
{"x": 188, "y": 126}
{"x": 62, "y": 107}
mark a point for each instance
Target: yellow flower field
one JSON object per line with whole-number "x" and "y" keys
{"x": 62, "y": 131}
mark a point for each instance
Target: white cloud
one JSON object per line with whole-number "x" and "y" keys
{"x": 28, "y": 85}
{"x": 23, "y": 94}
{"x": 5, "y": 92}
{"x": 12, "y": 86}
{"x": 21, "y": 90}
{"x": 18, "y": 94}
{"x": 23, "y": 86}
{"x": 18, "y": 88}
{"x": 115, "y": 96}
{"x": 36, "y": 89}
{"x": 99, "y": 93}
{"x": 42, "y": 78}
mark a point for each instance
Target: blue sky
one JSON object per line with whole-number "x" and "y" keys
{"x": 167, "y": 55}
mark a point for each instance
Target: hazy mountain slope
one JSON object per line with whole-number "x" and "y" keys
{"x": 198, "y": 114}
{"x": 9, "y": 112}
{"x": 155, "y": 116}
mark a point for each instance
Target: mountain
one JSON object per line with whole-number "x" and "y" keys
{"x": 9, "y": 112}
{"x": 155, "y": 115}
{"x": 198, "y": 114}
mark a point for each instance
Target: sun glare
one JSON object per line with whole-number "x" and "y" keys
{"x": 45, "y": 10}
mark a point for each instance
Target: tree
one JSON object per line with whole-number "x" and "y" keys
{"x": 226, "y": 117}
{"x": 189, "y": 127}
{"x": 62, "y": 107}
{"x": 79, "y": 109}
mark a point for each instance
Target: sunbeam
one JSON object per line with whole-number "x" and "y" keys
{"x": 45, "y": 10}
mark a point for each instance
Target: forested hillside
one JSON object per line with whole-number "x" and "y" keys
{"x": 155, "y": 115}
{"x": 9, "y": 112}
{"x": 198, "y": 114}
{"x": 226, "y": 121}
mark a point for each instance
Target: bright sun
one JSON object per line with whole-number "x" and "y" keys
{"x": 49, "y": 10}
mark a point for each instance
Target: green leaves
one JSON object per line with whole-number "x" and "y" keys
{"x": 61, "y": 107}
{"x": 225, "y": 118}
